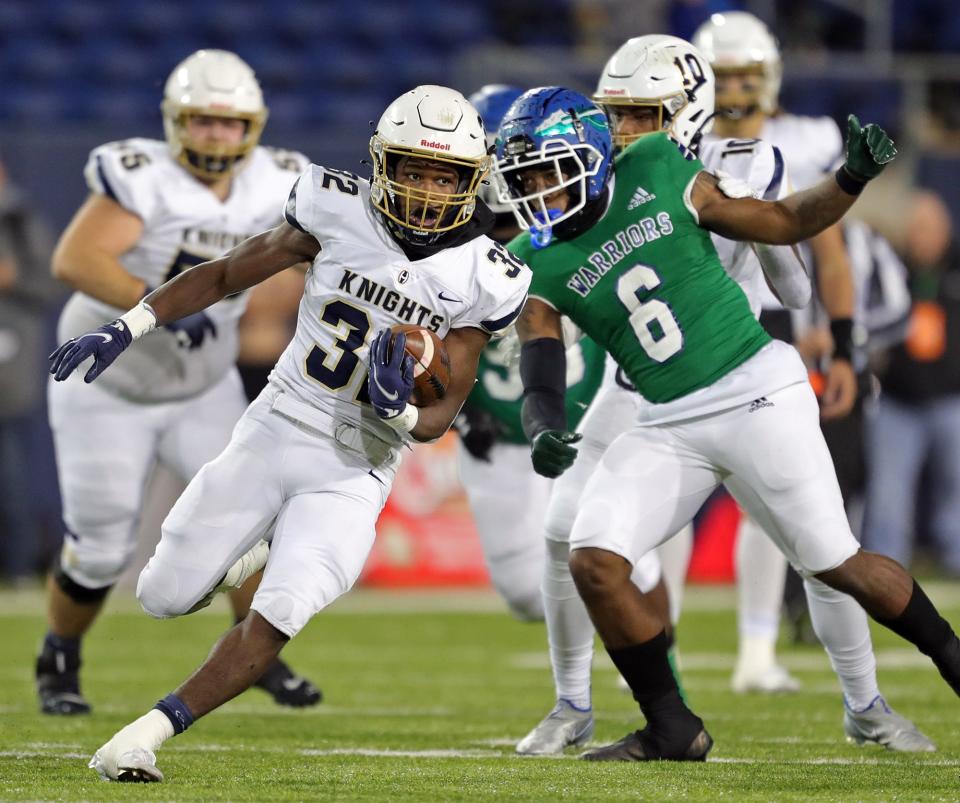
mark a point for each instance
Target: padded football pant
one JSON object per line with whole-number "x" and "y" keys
{"x": 106, "y": 449}
{"x": 509, "y": 500}
{"x": 319, "y": 493}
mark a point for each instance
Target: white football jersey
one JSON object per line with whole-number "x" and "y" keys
{"x": 762, "y": 166}
{"x": 811, "y": 146}
{"x": 184, "y": 224}
{"x": 362, "y": 281}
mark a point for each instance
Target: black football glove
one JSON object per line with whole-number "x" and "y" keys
{"x": 552, "y": 452}
{"x": 478, "y": 430}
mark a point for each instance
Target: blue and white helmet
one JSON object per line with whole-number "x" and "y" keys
{"x": 559, "y": 130}
{"x": 492, "y": 102}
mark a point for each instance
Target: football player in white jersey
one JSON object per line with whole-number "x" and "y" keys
{"x": 155, "y": 209}
{"x": 312, "y": 460}
{"x": 655, "y": 83}
{"x": 747, "y": 64}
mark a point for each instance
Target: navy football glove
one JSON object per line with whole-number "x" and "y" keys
{"x": 192, "y": 330}
{"x": 104, "y": 344}
{"x": 391, "y": 374}
{"x": 552, "y": 452}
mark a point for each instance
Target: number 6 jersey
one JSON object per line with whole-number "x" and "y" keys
{"x": 184, "y": 224}
{"x": 646, "y": 282}
{"x": 362, "y": 281}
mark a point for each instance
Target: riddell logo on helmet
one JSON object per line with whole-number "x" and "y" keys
{"x": 439, "y": 146}
{"x": 614, "y": 91}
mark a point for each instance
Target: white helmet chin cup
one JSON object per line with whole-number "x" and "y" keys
{"x": 439, "y": 125}
{"x": 665, "y": 73}
{"x": 736, "y": 41}
{"x": 212, "y": 83}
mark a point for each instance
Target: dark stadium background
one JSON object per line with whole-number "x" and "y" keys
{"x": 76, "y": 73}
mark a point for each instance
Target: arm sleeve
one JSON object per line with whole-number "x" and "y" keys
{"x": 122, "y": 171}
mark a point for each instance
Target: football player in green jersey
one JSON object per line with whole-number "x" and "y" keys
{"x": 506, "y": 497}
{"x": 728, "y": 405}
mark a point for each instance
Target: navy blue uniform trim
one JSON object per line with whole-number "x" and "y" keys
{"x": 290, "y": 209}
{"x": 108, "y": 190}
{"x": 773, "y": 188}
{"x": 502, "y": 323}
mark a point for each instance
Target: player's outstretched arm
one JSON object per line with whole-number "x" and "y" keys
{"x": 543, "y": 370}
{"x": 803, "y": 214}
{"x": 193, "y": 290}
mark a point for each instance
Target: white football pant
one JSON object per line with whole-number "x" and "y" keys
{"x": 106, "y": 449}
{"x": 319, "y": 492}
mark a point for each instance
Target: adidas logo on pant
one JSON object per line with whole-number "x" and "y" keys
{"x": 756, "y": 404}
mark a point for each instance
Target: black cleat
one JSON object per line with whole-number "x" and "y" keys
{"x": 58, "y": 684}
{"x": 286, "y": 688}
{"x": 640, "y": 746}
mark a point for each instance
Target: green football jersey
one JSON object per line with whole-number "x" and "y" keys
{"x": 645, "y": 282}
{"x": 499, "y": 390}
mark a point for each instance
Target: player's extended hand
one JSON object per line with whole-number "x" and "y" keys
{"x": 869, "y": 150}
{"x": 839, "y": 392}
{"x": 192, "y": 330}
{"x": 552, "y": 452}
{"x": 104, "y": 344}
{"x": 391, "y": 373}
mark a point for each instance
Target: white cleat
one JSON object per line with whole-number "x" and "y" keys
{"x": 771, "y": 679}
{"x": 881, "y": 724}
{"x": 565, "y": 726}
{"x": 119, "y": 760}
{"x": 242, "y": 570}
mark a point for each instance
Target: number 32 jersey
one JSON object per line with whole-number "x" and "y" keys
{"x": 361, "y": 281}
{"x": 184, "y": 224}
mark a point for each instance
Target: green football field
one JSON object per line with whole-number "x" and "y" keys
{"x": 425, "y": 696}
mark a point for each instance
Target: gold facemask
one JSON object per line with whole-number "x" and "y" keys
{"x": 208, "y": 160}
{"x": 396, "y": 201}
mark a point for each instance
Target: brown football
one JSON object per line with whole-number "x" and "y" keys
{"x": 431, "y": 372}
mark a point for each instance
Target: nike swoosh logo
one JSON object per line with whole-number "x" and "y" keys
{"x": 291, "y": 684}
{"x": 391, "y": 396}
{"x": 106, "y": 338}
{"x": 447, "y": 298}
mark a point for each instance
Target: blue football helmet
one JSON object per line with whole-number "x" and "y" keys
{"x": 566, "y": 138}
{"x": 492, "y": 101}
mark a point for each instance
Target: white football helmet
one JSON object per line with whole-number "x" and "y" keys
{"x": 440, "y": 125}
{"x": 213, "y": 83}
{"x": 666, "y": 74}
{"x": 738, "y": 42}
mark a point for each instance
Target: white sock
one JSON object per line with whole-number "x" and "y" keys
{"x": 675, "y": 557}
{"x": 150, "y": 731}
{"x": 841, "y": 625}
{"x": 761, "y": 574}
{"x": 569, "y": 628}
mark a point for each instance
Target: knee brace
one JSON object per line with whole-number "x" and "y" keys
{"x": 78, "y": 593}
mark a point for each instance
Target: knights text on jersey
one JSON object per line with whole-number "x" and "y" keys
{"x": 184, "y": 224}
{"x": 645, "y": 282}
{"x": 361, "y": 281}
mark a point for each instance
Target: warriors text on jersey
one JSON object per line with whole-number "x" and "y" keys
{"x": 645, "y": 282}
{"x": 184, "y": 224}
{"x": 499, "y": 390}
{"x": 362, "y": 281}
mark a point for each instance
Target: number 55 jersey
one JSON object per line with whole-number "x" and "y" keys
{"x": 362, "y": 280}
{"x": 184, "y": 224}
